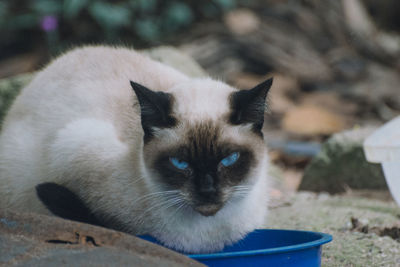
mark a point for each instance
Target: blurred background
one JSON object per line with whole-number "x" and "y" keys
{"x": 336, "y": 64}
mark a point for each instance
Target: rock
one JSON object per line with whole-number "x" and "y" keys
{"x": 346, "y": 65}
{"x": 341, "y": 164}
{"x": 278, "y": 97}
{"x": 380, "y": 87}
{"x": 216, "y": 54}
{"x": 312, "y": 120}
{"x": 242, "y": 21}
{"x": 381, "y": 45}
{"x": 385, "y": 14}
{"x": 177, "y": 59}
{"x": 333, "y": 214}
{"x": 357, "y": 17}
{"x": 245, "y": 80}
{"x": 39, "y": 240}
{"x": 19, "y": 64}
{"x": 331, "y": 101}
{"x": 9, "y": 88}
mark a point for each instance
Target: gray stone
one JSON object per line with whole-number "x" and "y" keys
{"x": 177, "y": 59}
{"x": 39, "y": 240}
{"x": 94, "y": 257}
{"x": 11, "y": 248}
{"x": 341, "y": 164}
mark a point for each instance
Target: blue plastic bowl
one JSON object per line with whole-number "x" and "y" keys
{"x": 268, "y": 247}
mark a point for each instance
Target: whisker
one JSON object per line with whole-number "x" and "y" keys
{"x": 169, "y": 202}
{"x": 155, "y": 195}
{"x": 241, "y": 187}
{"x": 181, "y": 205}
{"x": 136, "y": 180}
{"x": 241, "y": 190}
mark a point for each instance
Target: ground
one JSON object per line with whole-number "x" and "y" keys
{"x": 333, "y": 215}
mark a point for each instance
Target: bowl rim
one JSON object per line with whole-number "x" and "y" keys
{"x": 323, "y": 239}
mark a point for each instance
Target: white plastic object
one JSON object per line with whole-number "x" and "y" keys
{"x": 383, "y": 146}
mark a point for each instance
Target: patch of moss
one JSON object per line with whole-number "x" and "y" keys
{"x": 342, "y": 164}
{"x": 9, "y": 89}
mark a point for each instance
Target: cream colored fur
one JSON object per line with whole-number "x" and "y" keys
{"x": 78, "y": 124}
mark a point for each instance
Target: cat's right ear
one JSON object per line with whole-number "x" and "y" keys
{"x": 248, "y": 106}
{"x": 155, "y": 108}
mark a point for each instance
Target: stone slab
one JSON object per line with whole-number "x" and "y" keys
{"x": 38, "y": 240}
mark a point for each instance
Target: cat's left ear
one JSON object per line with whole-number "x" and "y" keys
{"x": 155, "y": 108}
{"x": 248, "y": 106}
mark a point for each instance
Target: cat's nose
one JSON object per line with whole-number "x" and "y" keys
{"x": 207, "y": 185}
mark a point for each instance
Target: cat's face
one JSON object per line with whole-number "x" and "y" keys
{"x": 203, "y": 140}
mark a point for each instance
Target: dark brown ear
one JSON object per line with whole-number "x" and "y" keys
{"x": 248, "y": 106}
{"x": 155, "y": 108}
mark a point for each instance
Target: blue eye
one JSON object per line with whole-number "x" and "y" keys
{"x": 180, "y": 164}
{"x": 230, "y": 160}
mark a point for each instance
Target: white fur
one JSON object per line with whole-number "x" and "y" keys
{"x": 77, "y": 123}
{"x": 200, "y": 99}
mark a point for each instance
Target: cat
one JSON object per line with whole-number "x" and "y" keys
{"x": 108, "y": 136}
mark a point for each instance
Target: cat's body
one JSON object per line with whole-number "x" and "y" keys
{"x": 78, "y": 124}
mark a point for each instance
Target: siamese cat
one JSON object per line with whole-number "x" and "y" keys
{"x": 110, "y": 137}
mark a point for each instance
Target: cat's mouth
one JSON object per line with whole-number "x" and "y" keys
{"x": 208, "y": 209}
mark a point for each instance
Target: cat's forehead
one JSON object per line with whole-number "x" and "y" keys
{"x": 201, "y": 99}
{"x": 210, "y": 137}
{"x": 207, "y": 137}
{"x": 198, "y": 139}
